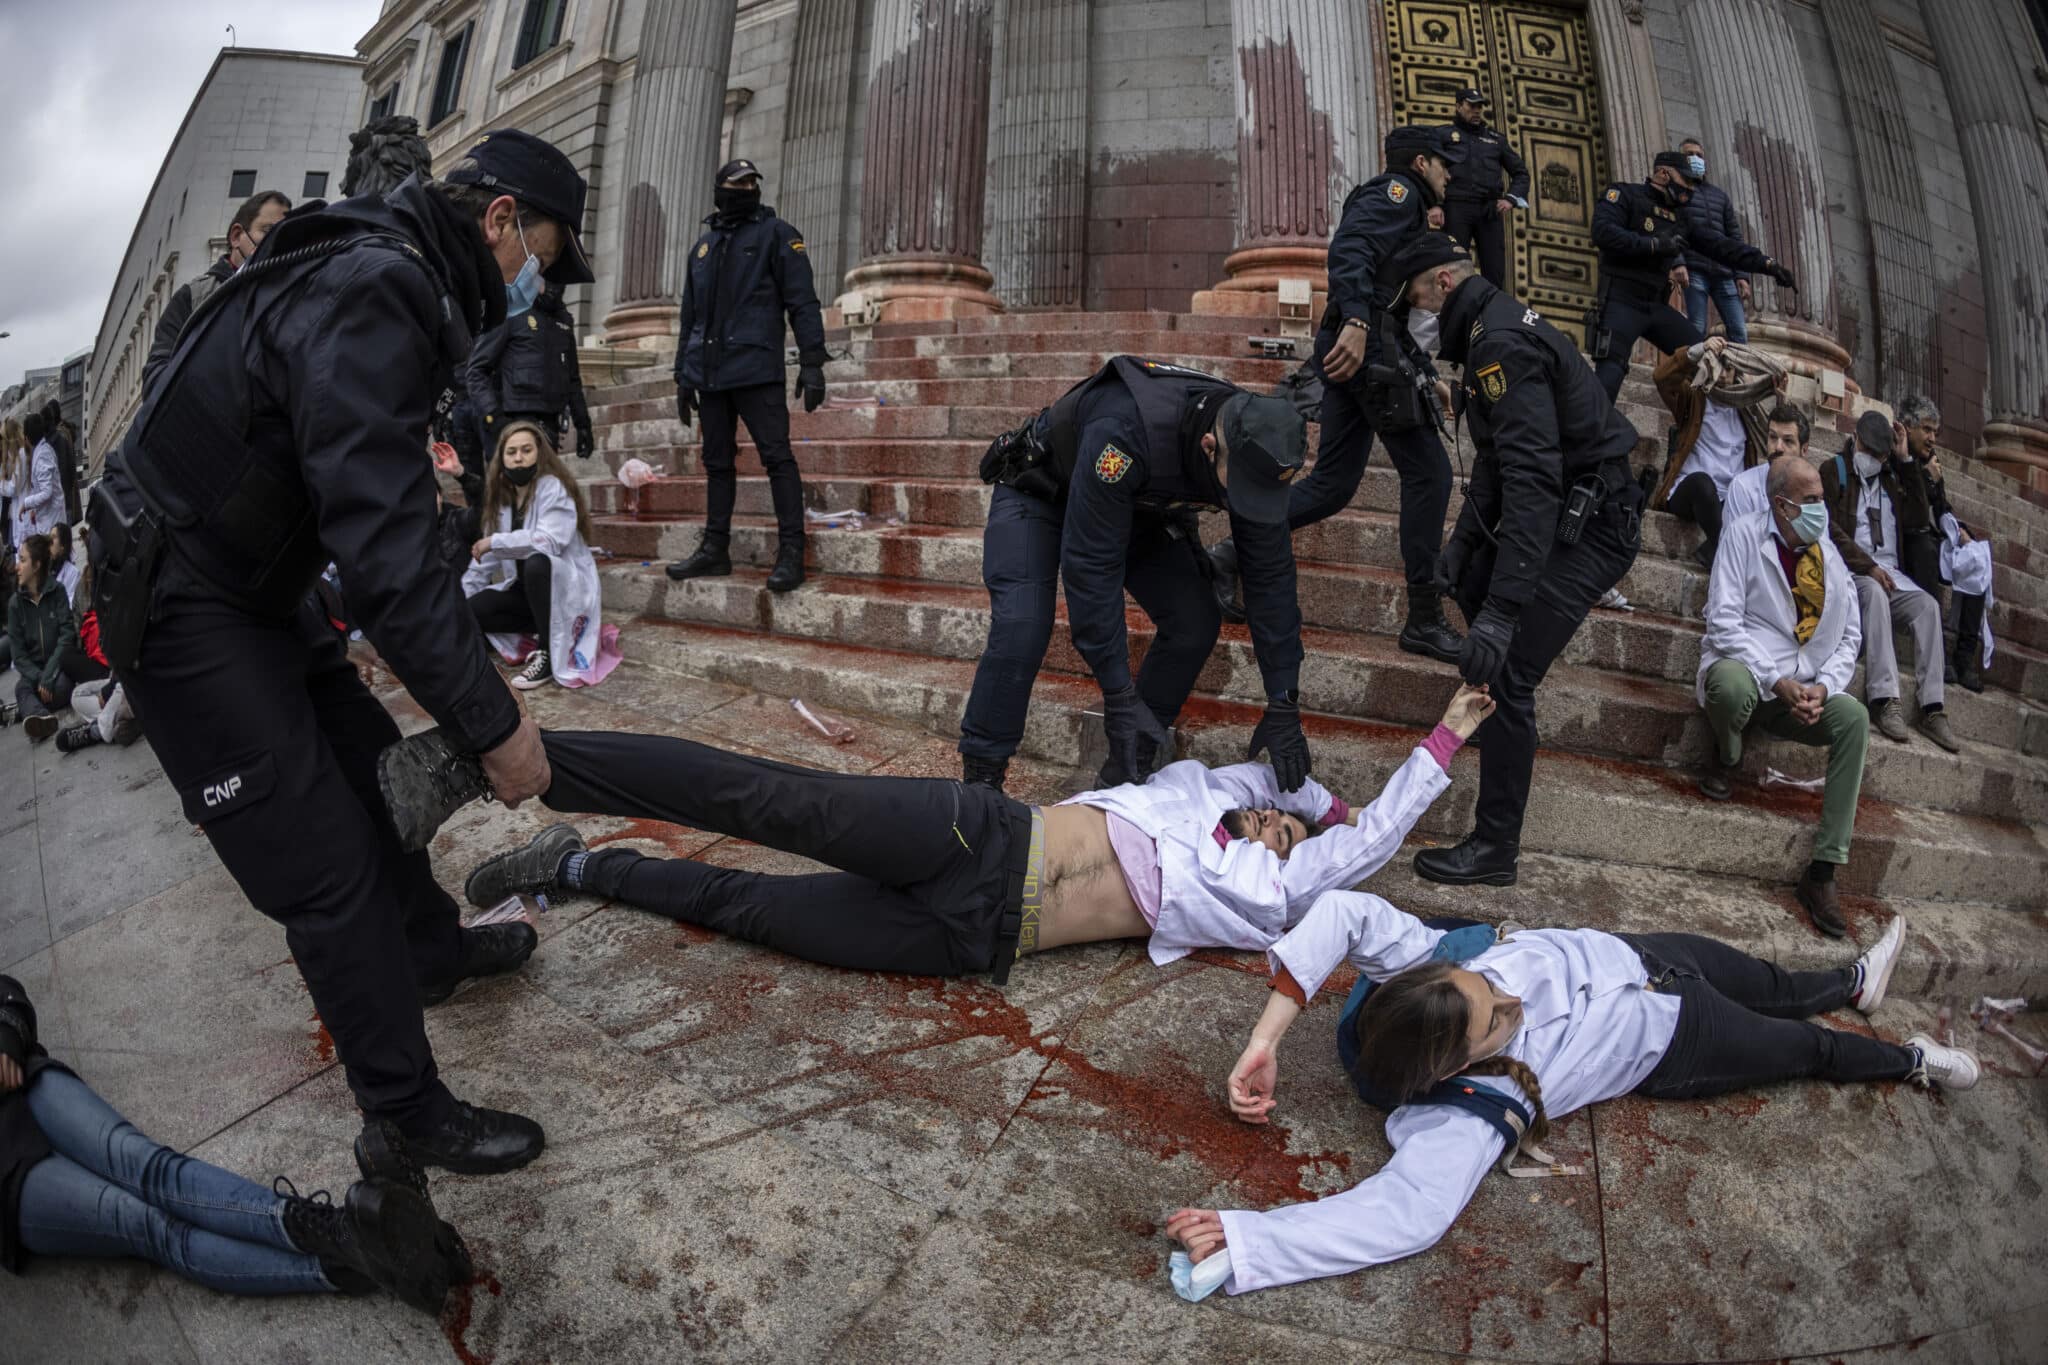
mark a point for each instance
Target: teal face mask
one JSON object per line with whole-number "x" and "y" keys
{"x": 1696, "y": 167}
{"x": 1812, "y": 522}
{"x": 525, "y": 287}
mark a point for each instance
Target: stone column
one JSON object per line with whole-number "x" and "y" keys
{"x": 926, "y": 163}
{"x": 1763, "y": 149}
{"x": 2008, "y": 175}
{"x": 817, "y": 139}
{"x": 1038, "y": 150}
{"x": 1301, "y": 142}
{"x": 1629, "y": 94}
{"x": 671, "y": 154}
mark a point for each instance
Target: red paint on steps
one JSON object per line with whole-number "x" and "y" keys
{"x": 457, "y": 1313}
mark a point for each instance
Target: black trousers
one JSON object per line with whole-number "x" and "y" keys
{"x": 929, "y": 868}
{"x": 69, "y": 667}
{"x": 1743, "y": 1022}
{"x": 1419, "y": 460}
{"x": 1020, "y": 563}
{"x": 1574, "y": 578}
{"x": 271, "y": 741}
{"x": 765, "y": 410}
{"x": 1697, "y": 500}
{"x": 1476, "y": 224}
{"x": 1630, "y": 313}
{"x": 520, "y": 608}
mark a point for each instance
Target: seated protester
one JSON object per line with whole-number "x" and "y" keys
{"x": 1922, "y": 422}
{"x": 1554, "y": 1020}
{"x": 104, "y": 714}
{"x": 43, "y": 637}
{"x": 532, "y": 573}
{"x": 1879, "y": 517}
{"x": 63, "y": 567}
{"x": 1716, "y": 393}
{"x": 1783, "y": 633}
{"x": 941, "y": 878}
{"x": 1786, "y": 430}
{"x": 77, "y": 1179}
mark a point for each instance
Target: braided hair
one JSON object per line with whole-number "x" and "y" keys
{"x": 1411, "y": 1035}
{"x": 384, "y": 154}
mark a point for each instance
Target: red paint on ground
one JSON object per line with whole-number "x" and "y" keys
{"x": 323, "y": 1041}
{"x": 456, "y": 1314}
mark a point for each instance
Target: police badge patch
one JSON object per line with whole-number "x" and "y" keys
{"x": 703, "y": 250}
{"x": 1649, "y": 224}
{"x": 1397, "y": 191}
{"x": 1492, "y": 382}
{"x": 797, "y": 245}
{"x": 1112, "y": 464}
{"x": 1614, "y": 196}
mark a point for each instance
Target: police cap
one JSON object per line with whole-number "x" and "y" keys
{"x": 535, "y": 173}
{"x": 1675, "y": 161}
{"x": 1423, "y": 251}
{"x": 1472, "y": 95}
{"x": 738, "y": 169}
{"x": 1402, "y": 145}
{"x": 1268, "y": 444}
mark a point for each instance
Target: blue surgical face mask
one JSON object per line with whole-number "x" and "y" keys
{"x": 1812, "y": 522}
{"x": 1696, "y": 167}
{"x": 525, "y": 286}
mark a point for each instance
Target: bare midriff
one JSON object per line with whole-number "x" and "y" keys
{"x": 1084, "y": 898}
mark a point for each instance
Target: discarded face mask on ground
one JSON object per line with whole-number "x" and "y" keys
{"x": 633, "y": 475}
{"x": 1993, "y": 1016}
{"x": 1773, "y": 778}
{"x": 833, "y": 730}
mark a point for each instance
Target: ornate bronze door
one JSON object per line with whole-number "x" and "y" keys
{"x": 1535, "y": 62}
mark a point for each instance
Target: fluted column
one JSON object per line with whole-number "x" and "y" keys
{"x": 1629, "y": 94}
{"x": 926, "y": 162}
{"x": 1038, "y": 150}
{"x": 817, "y": 145}
{"x": 1977, "y": 42}
{"x": 1765, "y": 152}
{"x": 1301, "y": 139}
{"x": 671, "y": 154}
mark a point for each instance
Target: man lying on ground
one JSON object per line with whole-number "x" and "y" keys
{"x": 937, "y": 877}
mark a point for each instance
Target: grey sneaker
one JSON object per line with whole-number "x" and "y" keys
{"x": 1934, "y": 725}
{"x": 1885, "y": 716}
{"x": 425, "y": 779}
{"x": 530, "y": 869}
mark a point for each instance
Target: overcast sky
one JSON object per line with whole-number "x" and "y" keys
{"x": 92, "y": 94}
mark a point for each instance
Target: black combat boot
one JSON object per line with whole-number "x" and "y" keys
{"x": 985, "y": 772}
{"x": 383, "y": 1236}
{"x": 381, "y": 1155}
{"x": 712, "y": 559}
{"x": 425, "y": 779}
{"x": 472, "y": 1140}
{"x": 1223, "y": 581}
{"x": 488, "y": 950}
{"x": 788, "y": 573}
{"x": 1476, "y": 862}
{"x": 1427, "y": 633}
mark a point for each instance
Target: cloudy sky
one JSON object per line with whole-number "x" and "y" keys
{"x": 93, "y": 92}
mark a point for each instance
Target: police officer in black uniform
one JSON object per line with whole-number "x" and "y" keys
{"x": 1642, "y": 238}
{"x": 747, "y": 271}
{"x": 289, "y": 429}
{"x": 1378, "y": 382}
{"x": 1552, "y": 520}
{"x": 525, "y": 368}
{"x": 1474, "y": 206}
{"x": 1100, "y": 492}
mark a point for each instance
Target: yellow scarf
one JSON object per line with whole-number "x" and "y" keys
{"x": 1809, "y": 591}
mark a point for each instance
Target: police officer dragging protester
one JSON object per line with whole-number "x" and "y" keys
{"x": 1642, "y": 238}
{"x": 525, "y": 369}
{"x": 1552, "y": 520}
{"x": 289, "y": 430}
{"x": 1475, "y": 206}
{"x": 1100, "y": 492}
{"x": 746, "y": 272}
{"x": 1378, "y": 381}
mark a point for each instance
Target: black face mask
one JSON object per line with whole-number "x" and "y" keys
{"x": 732, "y": 202}
{"x": 521, "y": 476}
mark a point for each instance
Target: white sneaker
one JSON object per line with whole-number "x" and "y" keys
{"x": 535, "y": 673}
{"x": 1877, "y": 966}
{"x": 1946, "y": 1068}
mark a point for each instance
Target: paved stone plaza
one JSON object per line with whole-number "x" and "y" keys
{"x": 751, "y": 1158}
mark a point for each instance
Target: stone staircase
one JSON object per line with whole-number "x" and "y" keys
{"x": 894, "y": 617}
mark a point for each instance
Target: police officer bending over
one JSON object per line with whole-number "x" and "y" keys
{"x": 288, "y": 430}
{"x": 747, "y": 271}
{"x": 1551, "y": 521}
{"x": 1378, "y": 382}
{"x": 1100, "y": 491}
{"x": 525, "y": 369}
{"x": 1475, "y": 208}
{"x": 1642, "y": 239}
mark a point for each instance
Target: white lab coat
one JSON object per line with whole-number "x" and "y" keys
{"x": 1747, "y": 494}
{"x": 1590, "y": 1031}
{"x": 38, "y": 495}
{"x": 1751, "y": 616}
{"x": 575, "y": 604}
{"x": 1241, "y": 894}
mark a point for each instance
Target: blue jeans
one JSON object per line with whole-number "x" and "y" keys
{"x": 107, "y": 1190}
{"x": 1726, "y": 300}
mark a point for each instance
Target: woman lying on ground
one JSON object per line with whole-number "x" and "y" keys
{"x": 939, "y": 878}
{"x": 77, "y": 1179}
{"x": 1555, "y": 1019}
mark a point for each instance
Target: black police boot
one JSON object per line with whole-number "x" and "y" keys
{"x": 474, "y": 1141}
{"x": 1223, "y": 581}
{"x": 1476, "y": 862}
{"x": 383, "y": 1236}
{"x": 985, "y": 772}
{"x": 1427, "y": 633}
{"x": 711, "y": 560}
{"x": 381, "y": 1154}
{"x": 425, "y": 779}
{"x": 1968, "y": 655}
{"x": 490, "y": 950}
{"x": 788, "y": 573}
{"x": 531, "y": 869}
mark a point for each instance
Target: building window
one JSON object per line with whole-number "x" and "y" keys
{"x": 316, "y": 185}
{"x": 539, "y": 30}
{"x": 448, "y": 84}
{"x": 381, "y": 106}
{"x": 241, "y": 184}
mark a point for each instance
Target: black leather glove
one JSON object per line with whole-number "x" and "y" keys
{"x": 1280, "y": 732}
{"x": 1781, "y": 275}
{"x": 810, "y": 384}
{"x": 586, "y": 444}
{"x": 1486, "y": 643}
{"x": 1124, "y": 720}
{"x": 1450, "y": 565}
{"x": 686, "y": 403}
